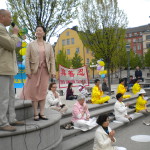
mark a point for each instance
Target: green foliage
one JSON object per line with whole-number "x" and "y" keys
{"x": 77, "y": 61}
{"x": 135, "y": 60}
{"x": 102, "y": 24}
{"x": 63, "y": 60}
{"x": 94, "y": 61}
{"x": 119, "y": 59}
{"x": 147, "y": 58}
{"x": 52, "y": 14}
{"x": 19, "y": 57}
{"x": 103, "y": 29}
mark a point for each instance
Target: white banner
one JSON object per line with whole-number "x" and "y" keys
{"x": 74, "y": 76}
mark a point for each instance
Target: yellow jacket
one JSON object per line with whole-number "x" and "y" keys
{"x": 121, "y": 89}
{"x": 96, "y": 94}
{"x": 140, "y": 104}
{"x": 136, "y": 88}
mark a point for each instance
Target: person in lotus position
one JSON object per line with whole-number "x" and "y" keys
{"x": 97, "y": 94}
{"x": 122, "y": 89}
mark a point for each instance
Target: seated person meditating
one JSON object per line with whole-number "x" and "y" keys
{"x": 53, "y": 99}
{"x": 69, "y": 92}
{"x": 141, "y": 103}
{"x": 97, "y": 94}
{"x": 120, "y": 109}
{"x": 105, "y": 87}
{"x": 81, "y": 116}
{"x": 136, "y": 87}
{"x": 83, "y": 90}
{"x": 104, "y": 136}
{"x": 122, "y": 89}
{"x": 131, "y": 82}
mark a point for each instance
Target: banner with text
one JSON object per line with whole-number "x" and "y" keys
{"x": 74, "y": 76}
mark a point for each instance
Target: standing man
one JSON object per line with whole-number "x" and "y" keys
{"x": 8, "y": 68}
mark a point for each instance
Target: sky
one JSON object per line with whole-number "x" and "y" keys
{"x": 138, "y": 12}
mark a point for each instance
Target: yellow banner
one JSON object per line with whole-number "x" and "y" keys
{"x": 19, "y": 80}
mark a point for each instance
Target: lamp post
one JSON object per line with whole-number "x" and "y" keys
{"x": 128, "y": 58}
{"x": 92, "y": 66}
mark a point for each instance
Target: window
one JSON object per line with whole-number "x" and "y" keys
{"x": 134, "y": 48}
{"x": 87, "y": 50}
{"x": 77, "y": 50}
{"x": 140, "y": 39}
{"x": 129, "y": 40}
{"x": 87, "y": 61}
{"x": 140, "y": 33}
{"x": 68, "y": 41}
{"x": 67, "y": 33}
{"x": 135, "y": 34}
{"x": 147, "y": 45}
{"x": 148, "y": 37}
{"x": 72, "y": 41}
{"x": 134, "y": 40}
{"x": 59, "y": 51}
{"x": 139, "y": 47}
{"x": 63, "y": 42}
{"x": 68, "y": 51}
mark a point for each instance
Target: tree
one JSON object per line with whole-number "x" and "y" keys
{"x": 147, "y": 58}
{"x": 77, "y": 61}
{"x": 119, "y": 59}
{"x": 52, "y": 14}
{"x": 135, "y": 60}
{"x": 63, "y": 60}
{"x": 102, "y": 24}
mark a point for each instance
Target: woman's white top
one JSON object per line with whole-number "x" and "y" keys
{"x": 102, "y": 140}
{"x": 51, "y": 100}
{"x": 120, "y": 109}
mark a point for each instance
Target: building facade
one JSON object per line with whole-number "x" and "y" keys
{"x": 70, "y": 42}
{"x": 139, "y": 39}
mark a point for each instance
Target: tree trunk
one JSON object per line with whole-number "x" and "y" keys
{"x": 111, "y": 76}
{"x": 109, "y": 83}
{"x": 120, "y": 72}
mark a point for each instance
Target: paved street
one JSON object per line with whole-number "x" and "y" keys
{"x": 124, "y": 134}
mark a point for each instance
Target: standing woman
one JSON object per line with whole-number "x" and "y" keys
{"x": 40, "y": 65}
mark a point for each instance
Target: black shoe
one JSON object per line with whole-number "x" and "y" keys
{"x": 130, "y": 119}
{"x": 111, "y": 114}
{"x": 36, "y": 118}
{"x": 131, "y": 107}
{"x": 106, "y": 102}
{"x": 42, "y": 117}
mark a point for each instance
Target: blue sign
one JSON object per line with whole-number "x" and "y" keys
{"x": 20, "y": 78}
